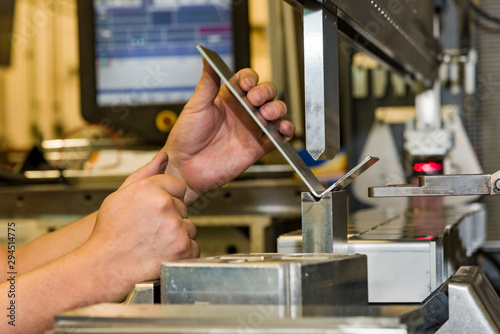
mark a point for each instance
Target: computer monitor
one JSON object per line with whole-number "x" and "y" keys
{"x": 6, "y": 24}
{"x": 138, "y": 60}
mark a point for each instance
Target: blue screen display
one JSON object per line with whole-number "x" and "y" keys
{"x": 145, "y": 49}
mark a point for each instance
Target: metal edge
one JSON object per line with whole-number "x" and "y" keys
{"x": 288, "y": 152}
{"x": 352, "y": 174}
{"x": 269, "y": 128}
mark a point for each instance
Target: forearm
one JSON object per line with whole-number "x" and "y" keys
{"x": 78, "y": 279}
{"x": 54, "y": 245}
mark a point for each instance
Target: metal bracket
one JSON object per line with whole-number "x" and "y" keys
{"x": 288, "y": 152}
{"x": 443, "y": 185}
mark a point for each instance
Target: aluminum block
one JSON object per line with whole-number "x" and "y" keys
{"x": 267, "y": 279}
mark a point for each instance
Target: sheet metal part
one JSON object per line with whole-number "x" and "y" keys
{"x": 353, "y": 174}
{"x": 398, "y": 33}
{"x": 292, "y": 157}
{"x": 321, "y": 74}
{"x": 324, "y": 223}
{"x": 443, "y": 185}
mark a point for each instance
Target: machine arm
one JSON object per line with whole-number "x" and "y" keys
{"x": 443, "y": 185}
{"x": 397, "y": 33}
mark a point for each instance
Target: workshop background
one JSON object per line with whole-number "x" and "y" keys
{"x": 40, "y": 101}
{"x": 39, "y": 92}
{"x": 428, "y": 107}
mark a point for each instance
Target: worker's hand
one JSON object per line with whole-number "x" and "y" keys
{"x": 214, "y": 139}
{"x": 143, "y": 224}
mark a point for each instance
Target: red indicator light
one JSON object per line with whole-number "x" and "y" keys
{"x": 429, "y": 237}
{"x": 428, "y": 167}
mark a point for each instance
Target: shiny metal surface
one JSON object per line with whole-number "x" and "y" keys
{"x": 321, "y": 75}
{"x": 288, "y": 152}
{"x": 353, "y": 174}
{"x": 143, "y": 293}
{"x": 324, "y": 223}
{"x": 474, "y": 306}
{"x": 398, "y": 33}
{"x": 237, "y": 319}
{"x": 443, "y": 185}
{"x": 418, "y": 248}
{"x": 275, "y": 279}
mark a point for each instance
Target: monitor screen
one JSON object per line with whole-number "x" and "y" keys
{"x": 145, "y": 49}
{"x": 144, "y": 58}
{"x": 6, "y": 23}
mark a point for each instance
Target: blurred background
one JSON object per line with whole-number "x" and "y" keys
{"x": 40, "y": 93}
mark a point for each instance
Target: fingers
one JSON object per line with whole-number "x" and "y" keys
{"x": 247, "y": 79}
{"x": 273, "y": 111}
{"x": 276, "y": 111}
{"x": 185, "y": 246}
{"x": 156, "y": 166}
{"x": 195, "y": 249}
{"x": 170, "y": 184}
{"x": 190, "y": 228}
{"x": 180, "y": 208}
{"x": 287, "y": 129}
{"x": 262, "y": 93}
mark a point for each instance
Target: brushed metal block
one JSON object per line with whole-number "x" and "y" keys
{"x": 270, "y": 279}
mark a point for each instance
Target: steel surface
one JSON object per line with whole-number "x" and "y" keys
{"x": 324, "y": 223}
{"x": 420, "y": 248}
{"x": 272, "y": 279}
{"x": 441, "y": 185}
{"x": 143, "y": 293}
{"x": 474, "y": 306}
{"x": 321, "y": 76}
{"x": 255, "y": 319}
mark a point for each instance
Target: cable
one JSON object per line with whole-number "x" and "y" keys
{"x": 479, "y": 11}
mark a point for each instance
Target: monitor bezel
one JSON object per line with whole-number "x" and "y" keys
{"x": 139, "y": 119}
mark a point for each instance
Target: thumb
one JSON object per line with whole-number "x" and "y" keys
{"x": 206, "y": 90}
{"x": 155, "y": 167}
